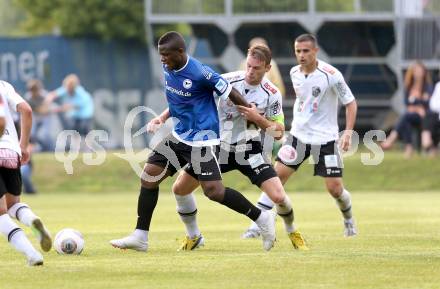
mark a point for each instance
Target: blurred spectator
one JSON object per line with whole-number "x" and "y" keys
{"x": 274, "y": 74}
{"x": 26, "y": 176}
{"x": 418, "y": 84}
{"x": 431, "y": 123}
{"x": 41, "y": 127}
{"x": 76, "y": 103}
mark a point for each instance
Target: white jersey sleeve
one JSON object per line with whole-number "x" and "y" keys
{"x": 274, "y": 110}
{"x": 341, "y": 88}
{"x": 12, "y": 97}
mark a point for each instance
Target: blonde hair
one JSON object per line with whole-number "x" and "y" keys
{"x": 71, "y": 79}
{"x": 261, "y": 52}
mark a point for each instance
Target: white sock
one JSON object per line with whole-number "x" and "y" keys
{"x": 285, "y": 211}
{"x": 187, "y": 210}
{"x": 141, "y": 235}
{"x": 344, "y": 204}
{"x": 264, "y": 202}
{"x": 262, "y": 218}
{"x": 23, "y": 213}
{"x": 15, "y": 235}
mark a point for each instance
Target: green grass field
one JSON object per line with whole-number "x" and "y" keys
{"x": 398, "y": 245}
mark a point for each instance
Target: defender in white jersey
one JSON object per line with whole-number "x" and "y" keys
{"x": 14, "y": 152}
{"x": 318, "y": 87}
{"x": 241, "y": 146}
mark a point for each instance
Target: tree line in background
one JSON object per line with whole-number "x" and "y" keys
{"x": 104, "y": 19}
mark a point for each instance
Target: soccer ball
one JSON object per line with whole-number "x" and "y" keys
{"x": 69, "y": 241}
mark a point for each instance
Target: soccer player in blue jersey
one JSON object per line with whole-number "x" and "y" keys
{"x": 190, "y": 87}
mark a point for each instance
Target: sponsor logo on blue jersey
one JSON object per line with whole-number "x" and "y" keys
{"x": 187, "y": 83}
{"x": 177, "y": 91}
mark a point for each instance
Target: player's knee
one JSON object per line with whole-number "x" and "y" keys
{"x": 276, "y": 194}
{"x": 278, "y": 197}
{"x": 178, "y": 189}
{"x": 213, "y": 192}
{"x": 335, "y": 189}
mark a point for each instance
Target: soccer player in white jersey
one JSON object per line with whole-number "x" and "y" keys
{"x": 241, "y": 147}
{"x": 318, "y": 86}
{"x": 14, "y": 152}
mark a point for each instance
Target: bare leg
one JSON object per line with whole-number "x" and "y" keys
{"x": 390, "y": 140}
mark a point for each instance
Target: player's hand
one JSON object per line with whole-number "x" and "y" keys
{"x": 25, "y": 154}
{"x": 154, "y": 124}
{"x": 345, "y": 140}
{"x": 250, "y": 113}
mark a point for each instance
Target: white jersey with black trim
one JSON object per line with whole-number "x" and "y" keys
{"x": 315, "y": 113}
{"x": 11, "y": 99}
{"x": 265, "y": 96}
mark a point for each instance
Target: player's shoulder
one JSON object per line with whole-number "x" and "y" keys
{"x": 270, "y": 88}
{"x": 328, "y": 69}
{"x": 6, "y": 87}
{"x": 294, "y": 70}
{"x": 234, "y": 76}
{"x": 199, "y": 70}
{"x": 5, "y": 84}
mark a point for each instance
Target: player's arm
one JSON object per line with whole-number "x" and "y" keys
{"x": 156, "y": 122}
{"x": 237, "y": 98}
{"x": 350, "y": 115}
{"x": 25, "y": 124}
{"x": 164, "y": 115}
{"x": 346, "y": 97}
{"x": 223, "y": 89}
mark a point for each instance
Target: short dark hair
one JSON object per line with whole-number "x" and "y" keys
{"x": 174, "y": 39}
{"x": 261, "y": 52}
{"x": 307, "y": 37}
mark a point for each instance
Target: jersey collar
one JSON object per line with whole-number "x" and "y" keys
{"x": 316, "y": 68}
{"x": 183, "y": 67}
{"x": 249, "y": 86}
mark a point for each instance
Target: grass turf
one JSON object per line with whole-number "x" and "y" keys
{"x": 393, "y": 174}
{"x": 398, "y": 246}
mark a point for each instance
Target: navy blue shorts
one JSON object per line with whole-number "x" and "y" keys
{"x": 248, "y": 158}
{"x": 173, "y": 155}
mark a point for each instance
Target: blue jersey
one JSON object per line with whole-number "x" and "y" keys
{"x": 190, "y": 93}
